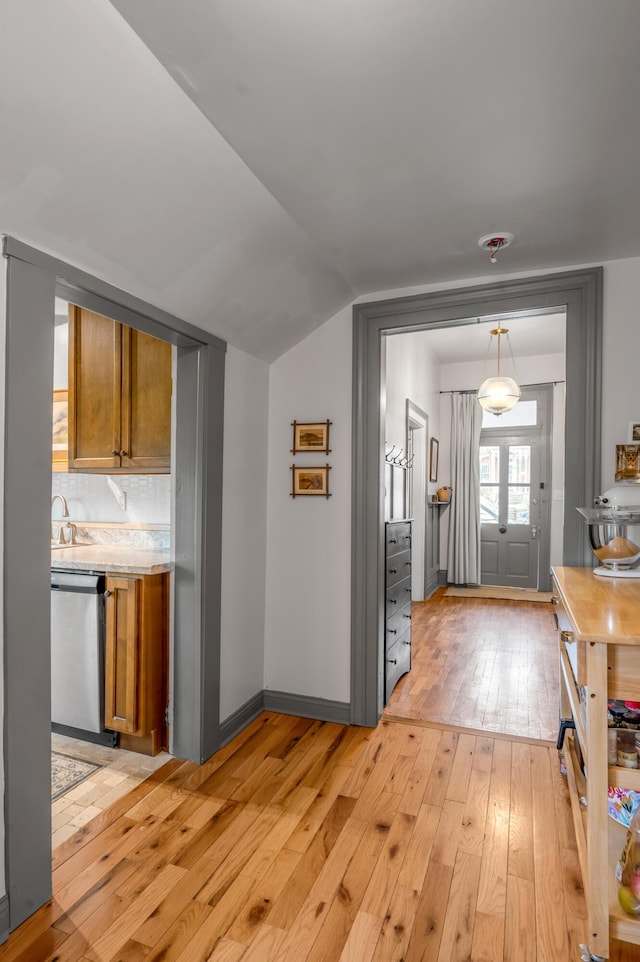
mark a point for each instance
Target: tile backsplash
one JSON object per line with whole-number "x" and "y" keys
{"x": 121, "y": 498}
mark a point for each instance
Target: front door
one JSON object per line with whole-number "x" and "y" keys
{"x": 509, "y": 512}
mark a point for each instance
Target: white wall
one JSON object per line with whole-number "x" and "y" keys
{"x": 244, "y": 504}
{"x": 413, "y": 372}
{"x": 308, "y": 551}
{"x": 307, "y": 632}
{"x": 620, "y": 352}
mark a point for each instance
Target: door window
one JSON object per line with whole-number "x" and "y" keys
{"x": 489, "y": 483}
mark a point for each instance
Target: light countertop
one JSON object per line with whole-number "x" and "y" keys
{"x": 110, "y": 558}
{"x": 601, "y": 609}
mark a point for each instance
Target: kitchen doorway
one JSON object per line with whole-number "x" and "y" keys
{"x": 33, "y": 279}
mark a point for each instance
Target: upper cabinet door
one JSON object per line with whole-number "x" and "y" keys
{"x": 119, "y": 397}
{"x": 146, "y": 402}
{"x": 95, "y": 362}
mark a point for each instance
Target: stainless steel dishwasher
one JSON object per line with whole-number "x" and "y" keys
{"x": 77, "y": 655}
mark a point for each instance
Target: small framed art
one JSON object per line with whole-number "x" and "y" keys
{"x": 633, "y": 434}
{"x": 433, "y": 460}
{"x": 313, "y": 481}
{"x": 627, "y": 462}
{"x": 311, "y": 437}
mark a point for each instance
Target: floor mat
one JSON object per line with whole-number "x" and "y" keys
{"x": 67, "y": 772}
{"x": 504, "y": 594}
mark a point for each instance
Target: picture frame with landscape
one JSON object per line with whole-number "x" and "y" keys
{"x": 310, "y": 481}
{"x": 311, "y": 437}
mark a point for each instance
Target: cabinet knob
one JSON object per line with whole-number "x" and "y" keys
{"x": 406, "y": 642}
{"x": 123, "y": 454}
{"x": 407, "y": 616}
{"x": 108, "y": 593}
{"x": 392, "y": 541}
{"x": 393, "y": 601}
{"x": 393, "y": 571}
{"x": 392, "y": 661}
{"x": 115, "y": 453}
{"x": 392, "y": 631}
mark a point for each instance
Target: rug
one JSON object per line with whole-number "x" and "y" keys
{"x": 67, "y": 772}
{"x": 504, "y": 594}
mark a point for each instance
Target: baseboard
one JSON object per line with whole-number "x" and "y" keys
{"x": 4, "y": 918}
{"x": 306, "y": 706}
{"x": 432, "y": 585}
{"x": 240, "y": 718}
{"x": 442, "y": 578}
{"x": 323, "y": 709}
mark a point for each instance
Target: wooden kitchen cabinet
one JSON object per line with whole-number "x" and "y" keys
{"x": 119, "y": 397}
{"x": 136, "y": 657}
{"x": 599, "y": 660}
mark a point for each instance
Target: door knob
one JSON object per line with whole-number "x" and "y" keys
{"x": 502, "y": 529}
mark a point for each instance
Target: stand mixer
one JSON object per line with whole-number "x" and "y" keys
{"x": 616, "y": 510}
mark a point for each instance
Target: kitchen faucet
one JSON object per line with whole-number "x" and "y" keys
{"x": 65, "y": 514}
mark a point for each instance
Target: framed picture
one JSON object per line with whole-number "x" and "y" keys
{"x": 633, "y": 435}
{"x": 311, "y": 436}
{"x": 627, "y": 462}
{"x": 312, "y": 482}
{"x": 433, "y": 460}
{"x": 60, "y": 431}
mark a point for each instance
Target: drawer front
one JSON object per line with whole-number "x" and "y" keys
{"x": 397, "y": 597}
{"x": 398, "y": 567}
{"x": 397, "y": 663}
{"x": 575, "y": 649}
{"x": 398, "y": 537}
{"x": 397, "y": 624}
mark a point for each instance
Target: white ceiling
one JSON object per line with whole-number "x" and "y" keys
{"x": 254, "y": 166}
{"x": 529, "y": 336}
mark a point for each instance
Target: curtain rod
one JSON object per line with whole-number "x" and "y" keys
{"x": 475, "y": 390}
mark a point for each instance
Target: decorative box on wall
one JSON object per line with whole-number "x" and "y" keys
{"x": 397, "y": 603}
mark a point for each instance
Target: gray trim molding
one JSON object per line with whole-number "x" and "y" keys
{"x": 241, "y": 717}
{"x": 580, "y": 293}
{"x": 306, "y": 706}
{"x": 4, "y": 919}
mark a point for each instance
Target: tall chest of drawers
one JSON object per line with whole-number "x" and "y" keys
{"x": 397, "y": 603}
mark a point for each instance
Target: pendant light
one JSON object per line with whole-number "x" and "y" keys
{"x": 499, "y": 394}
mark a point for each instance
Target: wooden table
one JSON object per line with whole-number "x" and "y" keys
{"x": 599, "y": 659}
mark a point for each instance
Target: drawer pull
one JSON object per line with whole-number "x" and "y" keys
{"x": 392, "y": 631}
{"x": 406, "y": 642}
{"x": 392, "y": 661}
{"x": 393, "y": 541}
{"x": 393, "y": 601}
{"x": 407, "y": 616}
{"x": 393, "y": 571}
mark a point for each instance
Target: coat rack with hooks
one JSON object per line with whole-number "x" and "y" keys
{"x": 398, "y": 457}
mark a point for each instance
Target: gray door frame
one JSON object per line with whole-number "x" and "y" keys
{"x": 33, "y": 279}
{"x": 580, "y": 293}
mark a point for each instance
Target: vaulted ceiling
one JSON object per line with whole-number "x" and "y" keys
{"x": 253, "y": 166}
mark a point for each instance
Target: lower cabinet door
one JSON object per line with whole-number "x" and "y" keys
{"x": 122, "y": 654}
{"x": 397, "y": 662}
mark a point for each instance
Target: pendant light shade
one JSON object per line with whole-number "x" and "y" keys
{"x": 500, "y": 393}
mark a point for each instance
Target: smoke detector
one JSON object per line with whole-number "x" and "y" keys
{"x": 495, "y": 242}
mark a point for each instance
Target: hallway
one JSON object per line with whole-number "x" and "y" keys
{"x": 482, "y": 664}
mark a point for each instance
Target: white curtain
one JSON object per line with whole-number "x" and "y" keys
{"x": 463, "y": 566}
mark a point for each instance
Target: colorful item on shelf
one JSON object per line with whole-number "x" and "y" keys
{"x": 622, "y": 804}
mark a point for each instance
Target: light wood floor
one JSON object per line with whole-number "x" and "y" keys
{"x": 482, "y": 664}
{"x": 304, "y": 841}
{"x": 120, "y": 771}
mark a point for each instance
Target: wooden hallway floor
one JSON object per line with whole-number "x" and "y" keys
{"x": 305, "y": 841}
{"x": 483, "y": 664}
